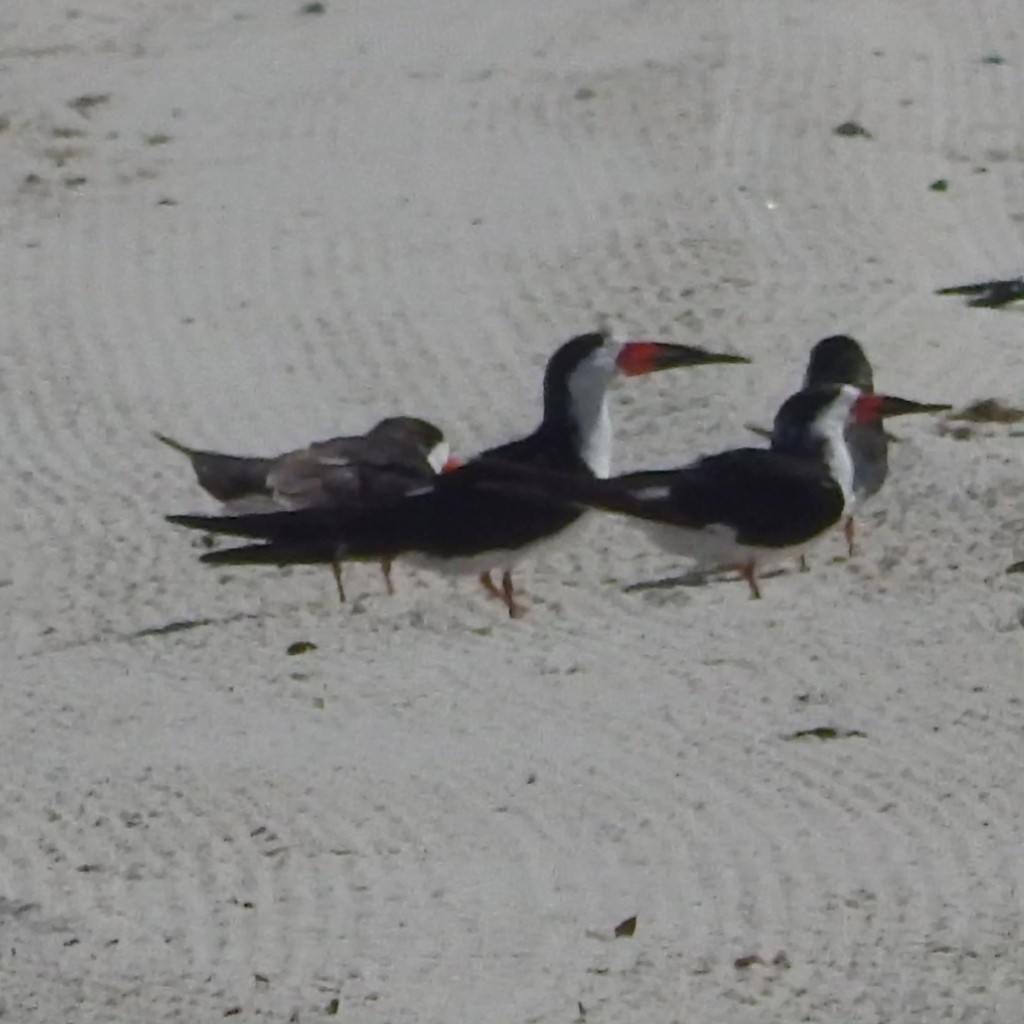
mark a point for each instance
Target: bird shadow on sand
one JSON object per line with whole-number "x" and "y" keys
{"x": 695, "y": 578}
{"x": 181, "y": 625}
{"x": 704, "y": 577}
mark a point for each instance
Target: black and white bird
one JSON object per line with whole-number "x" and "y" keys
{"x": 840, "y": 359}
{"x": 989, "y": 294}
{"x": 452, "y": 525}
{"x": 396, "y": 456}
{"x": 747, "y": 507}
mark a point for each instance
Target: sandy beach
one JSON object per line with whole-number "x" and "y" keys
{"x": 248, "y": 225}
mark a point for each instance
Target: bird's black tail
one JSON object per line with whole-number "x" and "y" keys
{"x": 286, "y": 526}
{"x": 304, "y": 536}
{"x": 277, "y": 554}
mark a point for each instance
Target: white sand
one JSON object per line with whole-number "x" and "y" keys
{"x": 440, "y": 815}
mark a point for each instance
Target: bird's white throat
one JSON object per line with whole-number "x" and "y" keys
{"x": 597, "y": 442}
{"x": 832, "y": 427}
{"x": 438, "y": 456}
{"x": 588, "y": 393}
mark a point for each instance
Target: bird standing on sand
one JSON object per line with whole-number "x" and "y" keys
{"x": 841, "y": 360}
{"x": 450, "y": 524}
{"x": 742, "y": 508}
{"x": 347, "y": 474}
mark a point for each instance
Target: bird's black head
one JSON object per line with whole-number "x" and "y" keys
{"x": 400, "y": 433}
{"x": 561, "y": 366}
{"x": 798, "y": 423}
{"x": 409, "y": 429}
{"x": 839, "y": 360}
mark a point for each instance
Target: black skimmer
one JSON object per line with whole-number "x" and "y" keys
{"x": 840, "y": 359}
{"x": 989, "y": 294}
{"x": 350, "y": 473}
{"x": 745, "y": 507}
{"x": 450, "y": 524}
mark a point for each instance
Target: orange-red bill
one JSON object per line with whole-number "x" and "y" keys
{"x": 872, "y": 408}
{"x": 640, "y": 357}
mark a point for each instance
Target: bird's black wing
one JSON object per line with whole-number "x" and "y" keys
{"x": 770, "y": 499}
{"x": 293, "y": 552}
{"x": 449, "y": 516}
{"x": 376, "y": 452}
{"x": 294, "y": 524}
{"x": 306, "y": 480}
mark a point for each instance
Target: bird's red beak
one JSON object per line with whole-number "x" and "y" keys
{"x": 871, "y": 408}
{"x": 639, "y": 357}
{"x": 452, "y": 463}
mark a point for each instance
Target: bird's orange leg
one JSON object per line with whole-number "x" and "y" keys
{"x": 336, "y": 569}
{"x": 749, "y": 572}
{"x": 489, "y": 586}
{"x": 385, "y": 567}
{"x": 515, "y": 611}
{"x": 850, "y": 532}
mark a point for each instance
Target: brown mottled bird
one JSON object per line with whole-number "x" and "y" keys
{"x": 343, "y": 474}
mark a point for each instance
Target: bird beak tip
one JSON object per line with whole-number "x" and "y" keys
{"x": 903, "y": 407}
